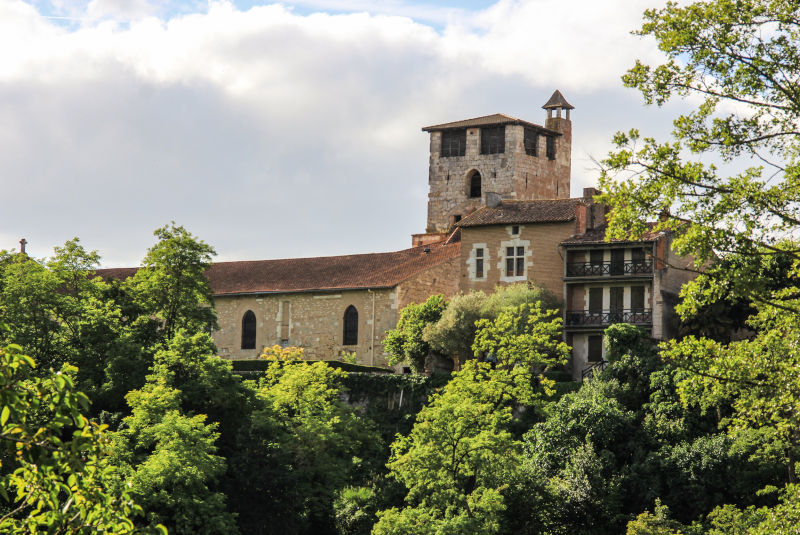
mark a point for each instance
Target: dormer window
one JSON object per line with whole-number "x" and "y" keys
{"x": 493, "y": 140}
{"x": 475, "y": 185}
{"x": 454, "y": 143}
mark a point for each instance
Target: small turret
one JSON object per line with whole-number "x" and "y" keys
{"x": 557, "y": 102}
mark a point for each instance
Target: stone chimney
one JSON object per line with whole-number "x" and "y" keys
{"x": 493, "y": 200}
{"x": 589, "y": 193}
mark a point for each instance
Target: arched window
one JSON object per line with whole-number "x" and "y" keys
{"x": 350, "y": 335}
{"x": 475, "y": 185}
{"x": 249, "y": 330}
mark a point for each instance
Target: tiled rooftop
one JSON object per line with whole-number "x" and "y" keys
{"x": 374, "y": 270}
{"x": 598, "y": 235}
{"x": 488, "y": 120}
{"x": 520, "y": 212}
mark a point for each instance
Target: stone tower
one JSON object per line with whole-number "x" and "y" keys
{"x": 497, "y": 154}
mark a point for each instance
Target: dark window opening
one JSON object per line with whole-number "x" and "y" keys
{"x": 531, "y": 142}
{"x": 595, "y": 349}
{"x": 350, "y": 335}
{"x": 454, "y": 143}
{"x": 493, "y": 140}
{"x": 595, "y": 300}
{"x": 479, "y": 263}
{"x": 617, "y": 261}
{"x": 616, "y": 304}
{"x": 475, "y": 185}
{"x": 637, "y": 298}
{"x": 551, "y": 148}
{"x": 596, "y": 257}
{"x": 249, "y": 330}
{"x": 456, "y": 218}
{"x": 515, "y": 230}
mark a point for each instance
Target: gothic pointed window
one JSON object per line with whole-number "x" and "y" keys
{"x": 249, "y": 330}
{"x": 475, "y": 185}
{"x": 350, "y": 334}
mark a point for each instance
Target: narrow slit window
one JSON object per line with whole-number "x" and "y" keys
{"x": 479, "y": 263}
{"x": 249, "y": 330}
{"x": 350, "y": 334}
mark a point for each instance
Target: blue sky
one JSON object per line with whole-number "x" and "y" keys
{"x": 281, "y": 130}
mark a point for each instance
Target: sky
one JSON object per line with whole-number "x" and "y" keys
{"x": 276, "y": 130}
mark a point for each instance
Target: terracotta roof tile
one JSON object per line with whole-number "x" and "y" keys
{"x": 598, "y": 236}
{"x": 488, "y": 120}
{"x": 374, "y": 270}
{"x": 508, "y": 212}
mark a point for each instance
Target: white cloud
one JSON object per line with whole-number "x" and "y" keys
{"x": 270, "y": 133}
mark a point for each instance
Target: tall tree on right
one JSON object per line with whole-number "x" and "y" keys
{"x": 739, "y": 61}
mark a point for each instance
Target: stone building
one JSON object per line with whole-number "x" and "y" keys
{"x": 327, "y": 304}
{"x": 500, "y": 154}
{"x": 499, "y": 212}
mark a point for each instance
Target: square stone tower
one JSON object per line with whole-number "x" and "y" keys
{"x": 497, "y": 154}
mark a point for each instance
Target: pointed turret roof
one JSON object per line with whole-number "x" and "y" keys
{"x": 558, "y": 101}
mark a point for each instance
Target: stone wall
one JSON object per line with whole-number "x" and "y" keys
{"x": 441, "y": 279}
{"x": 543, "y": 262}
{"x": 314, "y": 322}
{"x": 513, "y": 174}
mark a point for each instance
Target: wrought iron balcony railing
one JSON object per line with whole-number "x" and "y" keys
{"x": 581, "y": 318}
{"x": 590, "y": 370}
{"x": 602, "y": 269}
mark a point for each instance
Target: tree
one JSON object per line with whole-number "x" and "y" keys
{"x": 171, "y": 286}
{"x": 454, "y": 333}
{"x": 317, "y": 443}
{"x": 742, "y": 60}
{"x": 405, "y": 343}
{"x": 56, "y": 476}
{"x": 168, "y": 454}
{"x": 460, "y": 452}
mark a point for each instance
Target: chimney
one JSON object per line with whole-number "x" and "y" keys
{"x": 580, "y": 218}
{"x": 493, "y": 200}
{"x": 22, "y": 243}
{"x": 589, "y": 193}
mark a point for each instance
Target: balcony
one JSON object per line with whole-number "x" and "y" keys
{"x": 585, "y": 318}
{"x": 606, "y": 269}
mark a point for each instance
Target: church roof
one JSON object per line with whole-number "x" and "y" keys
{"x": 516, "y": 212}
{"x": 557, "y": 100}
{"x": 487, "y": 120}
{"x": 328, "y": 273}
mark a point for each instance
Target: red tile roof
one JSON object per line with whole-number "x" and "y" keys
{"x": 374, "y": 270}
{"x": 514, "y": 212}
{"x": 488, "y": 120}
{"x": 598, "y": 235}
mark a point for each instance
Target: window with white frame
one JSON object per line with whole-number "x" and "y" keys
{"x": 479, "y": 263}
{"x": 515, "y": 261}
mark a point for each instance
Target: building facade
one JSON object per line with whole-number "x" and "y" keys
{"x": 499, "y": 212}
